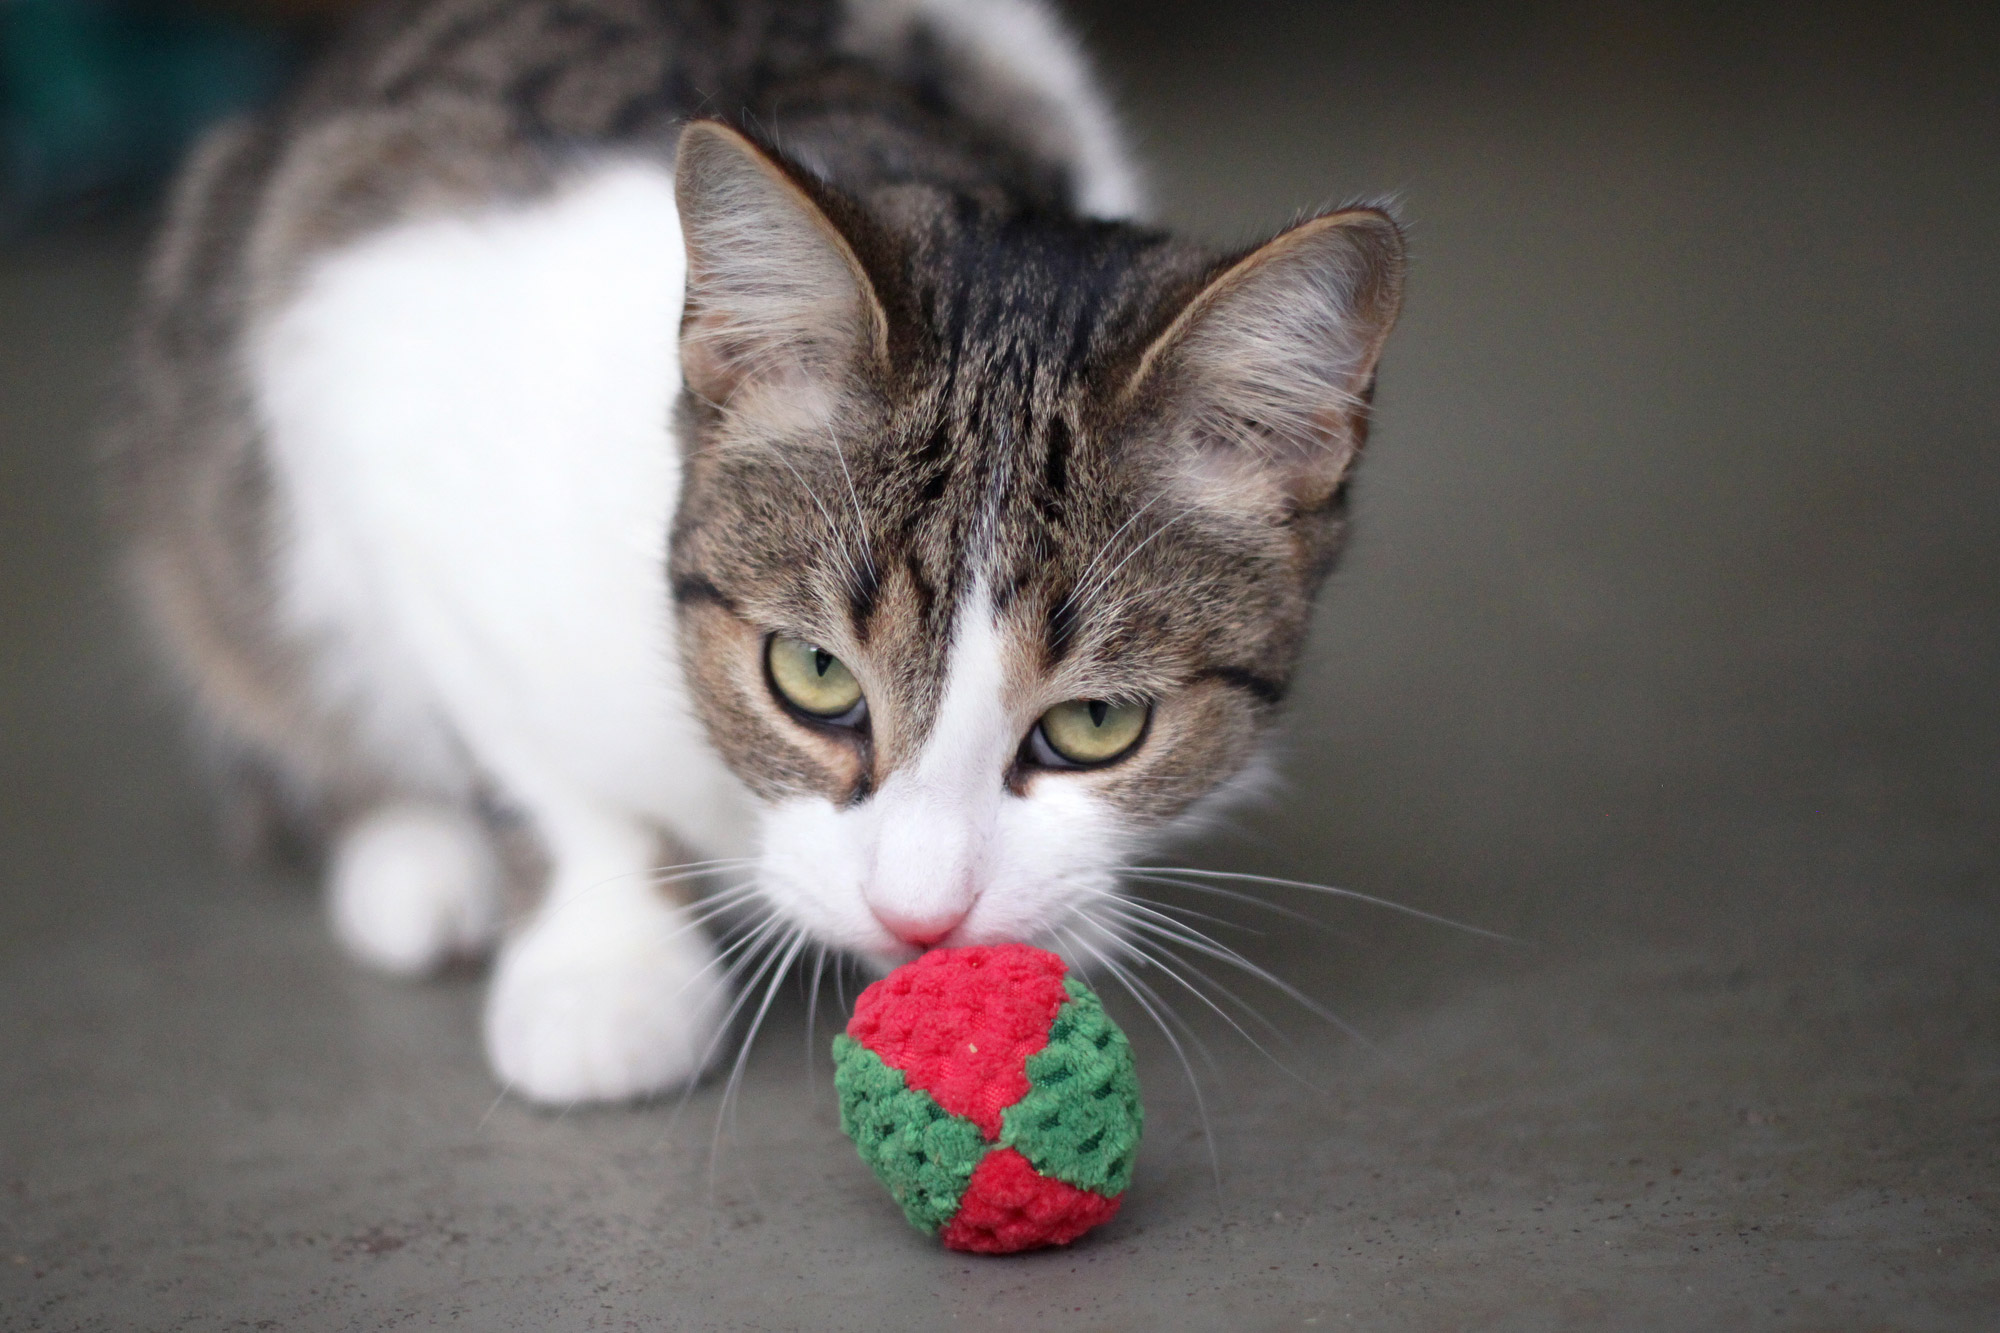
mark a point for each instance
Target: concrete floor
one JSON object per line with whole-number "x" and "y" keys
{"x": 1667, "y": 645}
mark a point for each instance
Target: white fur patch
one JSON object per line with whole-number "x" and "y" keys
{"x": 1042, "y": 87}
{"x": 469, "y": 417}
{"x": 945, "y": 843}
{"x": 413, "y": 886}
{"x": 937, "y": 815}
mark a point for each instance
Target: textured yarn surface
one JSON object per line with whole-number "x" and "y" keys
{"x": 1080, "y": 1120}
{"x": 1010, "y": 1206}
{"x": 961, "y": 1024}
{"x": 993, "y": 1096}
{"x": 924, "y": 1154}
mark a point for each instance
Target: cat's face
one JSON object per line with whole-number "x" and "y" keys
{"x": 998, "y": 536}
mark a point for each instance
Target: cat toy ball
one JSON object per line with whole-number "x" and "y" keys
{"x": 992, "y": 1095}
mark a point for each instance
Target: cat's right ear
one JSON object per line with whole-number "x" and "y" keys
{"x": 1264, "y": 377}
{"x": 776, "y": 296}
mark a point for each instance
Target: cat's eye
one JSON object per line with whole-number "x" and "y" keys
{"x": 813, "y": 680}
{"x": 1086, "y": 732}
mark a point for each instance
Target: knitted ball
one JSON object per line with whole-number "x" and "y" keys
{"x": 992, "y": 1095}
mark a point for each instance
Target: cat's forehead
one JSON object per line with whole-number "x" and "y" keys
{"x": 1019, "y": 511}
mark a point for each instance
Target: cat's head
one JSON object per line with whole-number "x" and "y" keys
{"x": 999, "y": 530}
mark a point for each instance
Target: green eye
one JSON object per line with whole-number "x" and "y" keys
{"x": 1089, "y": 731}
{"x": 811, "y": 679}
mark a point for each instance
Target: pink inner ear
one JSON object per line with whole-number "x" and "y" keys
{"x": 961, "y": 1023}
{"x": 1255, "y": 471}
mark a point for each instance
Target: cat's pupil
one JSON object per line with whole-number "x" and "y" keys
{"x": 1098, "y": 709}
{"x": 822, "y": 659}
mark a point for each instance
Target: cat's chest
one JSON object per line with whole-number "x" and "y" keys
{"x": 468, "y": 418}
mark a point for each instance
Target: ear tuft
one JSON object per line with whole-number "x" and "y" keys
{"x": 776, "y": 295}
{"x": 1267, "y": 372}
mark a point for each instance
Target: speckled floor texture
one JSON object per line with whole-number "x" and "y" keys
{"x": 1667, "y": 646}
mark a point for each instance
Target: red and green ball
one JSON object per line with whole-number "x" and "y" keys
{"x": 989, "y": 1091}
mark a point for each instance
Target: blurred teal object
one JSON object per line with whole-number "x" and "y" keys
{"x": 98, "y": 98}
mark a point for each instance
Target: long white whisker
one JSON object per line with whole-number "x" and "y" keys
{"x": 505, "y": 1088}
{"x": 693, "y": 870}
{"x": 745, "y": 947}
{"x": 1102, "y": 551}
{"x": 1354, "y": 894}
{"x": 812, "y": 1016}
{"x": 753, "y": 951}
{"x": 1168, "y": 928}
{"x": 1108, "y": 957}
{"x": 1159, "y": 960}
{"x": 1151, "y": 537}
{"x": 1139, "y": 872}
{"x": 1136, "y": 990}
{"x": 1180, "y": 911}
{"x": 784, "y": 956}
{"x": 854, "y": 498}
{"x": 700, "y": 865}
{"x": 832, "y": 528}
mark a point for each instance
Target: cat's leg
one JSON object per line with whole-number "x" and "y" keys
{"x": 612, "y": 990}
{"x": 412, "y": 885}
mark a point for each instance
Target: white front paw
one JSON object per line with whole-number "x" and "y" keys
{"x": 411, "y": 886}
{"x": 603, "y": 1005}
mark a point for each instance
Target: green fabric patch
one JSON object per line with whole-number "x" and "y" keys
{"x": 923, "y": 1153}
{"x": 1081, "y": 1119}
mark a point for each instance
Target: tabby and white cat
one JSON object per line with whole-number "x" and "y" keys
{"x": 751, "y": 428}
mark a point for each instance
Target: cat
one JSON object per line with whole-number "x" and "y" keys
{"x": 756, "y": 430}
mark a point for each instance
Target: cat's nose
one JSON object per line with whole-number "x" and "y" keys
{"x": 920, "y": 931}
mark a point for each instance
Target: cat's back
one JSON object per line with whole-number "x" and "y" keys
{"x": 429, "y": 105}
{"x": 398, "y": 471}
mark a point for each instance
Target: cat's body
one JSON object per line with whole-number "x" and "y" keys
{"x": 438, "y": 357}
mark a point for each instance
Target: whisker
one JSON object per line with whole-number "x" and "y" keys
{"x": 1179, "y": 911}
{"x": 1159, "y": 960}
{"x": 1354, "y": 894}
{"x": 752, "y": 949}
{"x": 1187, "y": 937}
{"x": 725, "y": 901}
{"x": 860, "y": 520}
{"x": 1107, "y": 956}
{"x": 747, "y": 947}
{"x": 700, "y": 865}
{"x": 812, "y": 1018}
{"x": 1135, "y": 872}
{"x": 1137, "y": 991}
{"x": 1101, "y": 584}
{"x": 710, "y": 909}
{"x": 693, "y": 870}
{"x": 505, "y": 1088}
{"x": 781, "y": 962}
{"x": 1102, "y": 551}
{"x": 833, "y": 528}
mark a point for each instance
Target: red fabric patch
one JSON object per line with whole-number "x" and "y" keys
{"x": 1010, "y": 1206}
{"x": 961, "y": 1024}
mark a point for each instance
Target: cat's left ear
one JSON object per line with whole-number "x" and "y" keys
{"x": 1264, "y": 377}
{"x": 776, "y": 295}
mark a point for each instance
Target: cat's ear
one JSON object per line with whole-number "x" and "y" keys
{"x": 776, "y": 296}
{"x": 1265, "y": 374}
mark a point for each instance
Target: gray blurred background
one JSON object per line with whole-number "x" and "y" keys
{"x": 1666, "y": 646}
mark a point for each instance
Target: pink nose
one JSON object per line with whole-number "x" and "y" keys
{"x": 922, "y": 932}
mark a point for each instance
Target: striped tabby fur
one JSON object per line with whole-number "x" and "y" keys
{"x": 941, "y": 408}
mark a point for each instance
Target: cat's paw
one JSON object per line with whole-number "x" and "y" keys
{"x": 604, "y": 1007}
{"x": 411, "y": 887}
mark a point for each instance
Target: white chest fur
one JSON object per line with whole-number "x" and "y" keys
{"x": 470, "y": 422}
